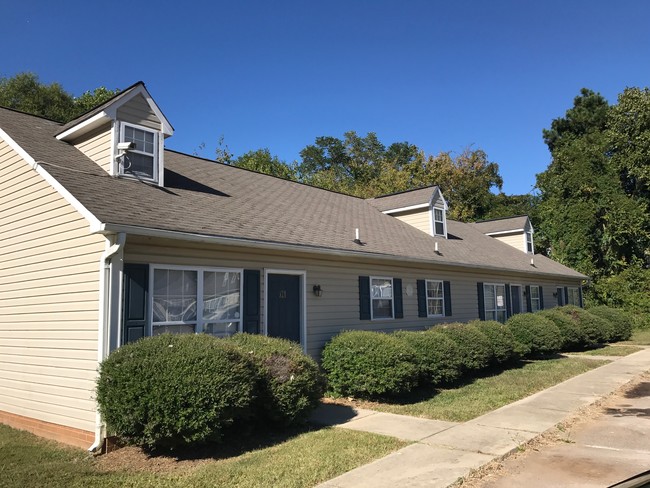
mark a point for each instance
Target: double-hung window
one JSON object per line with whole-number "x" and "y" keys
{"x": 438, "y": 222}
{"x": 435, "y": 298}
{"x": 381, "y": 295}
{"x": 186, "y": 300}
{"x": 535, "y": 300}
{"x": 494, "y": 301}
{"x": 573, "y": 293}
{"x": 529, "y": 242}
{"x": 142, "y": 160}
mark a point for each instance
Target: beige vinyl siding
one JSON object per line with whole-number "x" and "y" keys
{"x": 338, "y": 307}
{"x": 97, "y": 146}
{"x": 514, "y": 240}
{"x": 49, "y": 300}
{"x": 137, "y": 111}
{"x": 420, "y": 219}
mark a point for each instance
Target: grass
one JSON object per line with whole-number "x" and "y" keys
{"x": 488, "y": 393}
{"x": 622, "y": 350}
{"x": 305, "y": 460}
{"x": 640, "y": 337}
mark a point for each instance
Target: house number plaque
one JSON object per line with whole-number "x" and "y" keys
{"x": 283, "y": 293}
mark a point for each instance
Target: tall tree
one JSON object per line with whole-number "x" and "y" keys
{"x": 263, "y": 162}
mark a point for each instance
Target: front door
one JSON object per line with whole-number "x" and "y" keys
{"x": 515, "y": 296}
{"x": 283, "y": 303}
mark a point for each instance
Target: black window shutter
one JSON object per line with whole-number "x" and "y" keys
{"x": 251, "y": 319}
{"x": 529, "y": 303}
{"x": 481, "y": 301}
{"x": 566, "y": 295}
{"x": 397, "y": 296}
{"x": 364, "y": 297}
{"x": 422, "y": 298}
{"x": 136, "y": 285}
{"x": 447, "y": 290}
{"x": 580, "y": 296}
{"x": 541, "y": 298}
{"x": 508, "y": 302}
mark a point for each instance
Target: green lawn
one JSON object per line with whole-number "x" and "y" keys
{"x": 614, "y": 350}
{"x": 489, "y": 393}
{"x": 640, "y": 337}
{"x": 302, "y": 461}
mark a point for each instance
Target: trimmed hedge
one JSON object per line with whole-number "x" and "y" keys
{"x": 504, "y": 346}
{"x": 621, "y": 321}
{"x": 290, "y": 383}
{"x": 436, "y": 355}
{"x": 573, "y": 336}
{"x": 595, "y": 330}
{"x": 174, "y": 390}
{"x": 538, "y": 335}
{"x": 475, "y": 351}
{"x": 369, "y": 364}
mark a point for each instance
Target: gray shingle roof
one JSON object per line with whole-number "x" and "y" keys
{"x": 212, "y": 199}
{"x": 501, "y": 225}
{"x": 403, "y": 199}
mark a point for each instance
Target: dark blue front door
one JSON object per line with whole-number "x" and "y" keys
{"x": 283, "y": 306}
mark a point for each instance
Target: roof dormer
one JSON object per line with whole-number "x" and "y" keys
{"x": 424, "y": 209}
{"x": 514, "y": 231}
{"x": 124, "y": 135}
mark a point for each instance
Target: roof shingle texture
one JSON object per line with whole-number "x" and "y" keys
{"x": 403, "y": 199}
{"x": 502, "y": 225}
{"x": 212, "y": 199}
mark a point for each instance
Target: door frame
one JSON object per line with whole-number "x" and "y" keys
{"x": 522, "y": 308}
{"x": 303, "y": 300}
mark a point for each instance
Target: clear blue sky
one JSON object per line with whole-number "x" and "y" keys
{"x": 277, "y": 74}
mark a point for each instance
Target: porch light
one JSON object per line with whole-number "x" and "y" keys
{"x": 318, "y": 291}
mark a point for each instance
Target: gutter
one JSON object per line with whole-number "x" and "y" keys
{"x": 280, "y": 246}
{"x": 105, "y": 280}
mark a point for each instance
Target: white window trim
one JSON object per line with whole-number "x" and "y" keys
{"x": 532, "y": 243}
{"x": 426, "y": 289}
{"x": 433, "y": 221}
{"x": 538, "y": 299}
{"x": 157, "y": 166}
{"x": 497, "y": 309}
{"x": 303, "y": 302}
{"x": 392, "y": 299}
{"x": 199, "y": 294}
{"x": 577, "y": 292}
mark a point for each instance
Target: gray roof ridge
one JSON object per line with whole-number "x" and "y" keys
{"x": 500, "y": 218}
{"x": 403, "y": 191}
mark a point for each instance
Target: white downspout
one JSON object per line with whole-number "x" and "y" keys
{"x": 104, "y": 319}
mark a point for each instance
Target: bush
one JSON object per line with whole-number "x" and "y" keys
{"x": 594, "y": 329}
{"x": 475, "y": 351}
{"x": 290, "y": 383}
{"x": 369, "y": 364}
{"x": 174, "y": 390}
{"x": 437, "y": 356}
{"x": 573, "y": 336}
{"x": 504, "y": 345}
{"x": 620, "y": 320}
{"x": 537, "y": 334}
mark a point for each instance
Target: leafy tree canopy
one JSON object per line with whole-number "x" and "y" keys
{"x": 26, "y": 93}
{"x": 263, "y": 162}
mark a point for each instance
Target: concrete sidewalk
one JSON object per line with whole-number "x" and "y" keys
{"x": 444, "y": 451}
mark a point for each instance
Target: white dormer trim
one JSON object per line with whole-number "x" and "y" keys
{"x": 86, "y": 126}
{"x": 406, "y": 209}
{"x": 501, "y": 232}
{"x": 434, "y": 205}
{"x": 438, "y": 193}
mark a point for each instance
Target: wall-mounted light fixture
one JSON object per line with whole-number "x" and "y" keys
{"x": 318, "y": 291}
{"x": 555, "y": 294}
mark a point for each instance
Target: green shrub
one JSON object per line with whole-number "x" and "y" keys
{"x": 369, "y": 364}
{"x": 437, "y": 356}
{"x": 503, "y": 343}
{"x": 174, "y": 390}
{"x": 290, "y": 382}
{"x": 475, "y": 351}
{"x": 537, "y": 334}
{"x": 594, "y": 329}
{"x": 620, "y": 320}
{"x": 573, "y": 336}
{"x": 640, "y": 320}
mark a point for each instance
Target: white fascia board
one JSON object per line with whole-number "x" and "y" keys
{"x": 405, "y": 209}
{"x": 93, "y": 221}
{"x": 436, "y": 192}
{"x": 167, "y": 128}
{"x": 501, "y": 232}
{"x": 256, "y": 244}
{"x": 85, "y": 126}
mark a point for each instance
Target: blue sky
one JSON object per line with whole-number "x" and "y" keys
{"x": 440, "y": 74}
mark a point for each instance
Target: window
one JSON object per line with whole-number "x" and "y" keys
{"x": 196, "y": 300}
{"x": 381, "y": 295}
{"x": 535, "y": 301}
{"x": 494, "y": 300}
{"x": 573, "y": 293}
{"x": 435, "y": 298}
{"x": 529, "y": 242}
{"x": 438, "y": 222}
{"x": 141, "y": 161}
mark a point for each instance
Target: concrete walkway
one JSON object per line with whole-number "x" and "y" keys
{"x": 445, "y": 451}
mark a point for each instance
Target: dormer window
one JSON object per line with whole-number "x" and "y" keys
{"x": 141, "y": 161}
{"x": 439, "y": 222}
{"x": 529, "y": 242}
